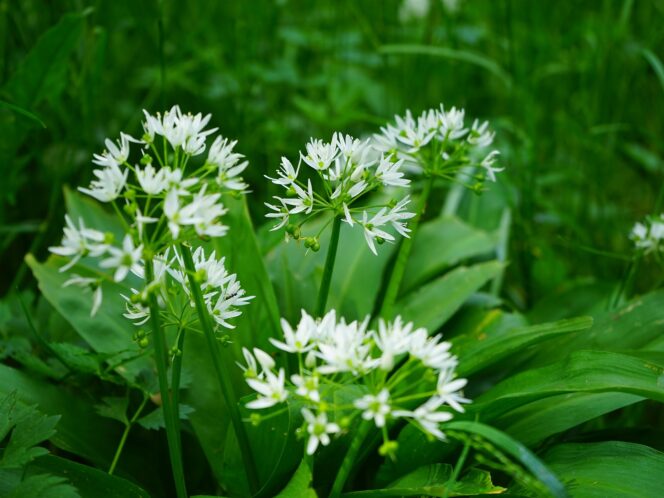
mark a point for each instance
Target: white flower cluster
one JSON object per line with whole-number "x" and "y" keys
{"x": 345, "y": 170}
{"x": 439, "y": 143}
{"x": 161, "y": 206}
{"x": 649, "y": 235}
{"x": 221, "y": 290}
{"x": 399, "y": 371}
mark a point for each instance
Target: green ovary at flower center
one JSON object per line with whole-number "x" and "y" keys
{"x": 318, "y": 429}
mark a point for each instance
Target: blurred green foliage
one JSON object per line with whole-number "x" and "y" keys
{"x": 573, "y": 88}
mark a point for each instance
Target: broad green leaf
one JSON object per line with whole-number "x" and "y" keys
{"x": 209, "y": 420}
{"x": 80, "y": 430}
{"x": 108, "y": 331}
{"x": 434, "y": 480}
{"x": 576, "y": 298}
{"x": 431, "y": 305}
{"x": 516, "y": 450}
{"x": 276, "y": 446}
{"x": 90, "y": 482}
{"x": 479, "y": 352}
{"x": 540, "y": 419}
{"x": 273, "y": 441}
{"x": 43, "y": 72}
{"x": 633, "y": 326}
{"x": 357, "y": 275}
{"x": 584, "y": 371}
{"x": 260, "y": 320}
{"x": 92, "y": 213}
{"x": 300, "y": 484}
{"x": 608, "y": 469}
{"x": 440, "y": 244}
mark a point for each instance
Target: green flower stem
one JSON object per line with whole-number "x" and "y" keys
{"x": 349, "y": 459}
{"x": 176, "y": 373}
{"x": 627, "y": 282}
{"x": 329, "y": 267}
{"x": 405, "y": 248}
{"x": 171, "y": 417}
{"x": 457, "y": 469}
{"x": 225, "y": 383}
{"x": 125, "y": 435}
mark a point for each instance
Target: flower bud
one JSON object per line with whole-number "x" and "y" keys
{"x": 344, "y": 423}
{"x": 388, "y": 448}
{"x": 200, "y": 276}
{"x": 109, "y": 238}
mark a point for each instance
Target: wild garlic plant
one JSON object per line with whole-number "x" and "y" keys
{"x": 345, "y": 172}
{"x": 350, "y": 376}
{"x": 167, "y": 201}
{"x": 437, "y": 144}
{"x": 440, "y": 144}
{"x": 648, "y": 236}
{"x": 648, "y": 239}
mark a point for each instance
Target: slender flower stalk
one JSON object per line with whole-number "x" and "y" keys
{"x": 225, "y": 383}
{"x": 349, "y": 459}
{"x": 125, "y": 434}
{"x": 324, "y": 290}
{"x": 171, "y": 418}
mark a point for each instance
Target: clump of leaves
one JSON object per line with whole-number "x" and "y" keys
{"x": 22, "y": 429}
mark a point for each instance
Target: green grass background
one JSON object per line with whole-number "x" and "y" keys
{"x": 574, "y": 89}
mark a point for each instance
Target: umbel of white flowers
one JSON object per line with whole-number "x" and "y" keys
{"x": 649, "y": 235}
{"x": 383, "y": 364}
{"x": 168, "y": 197}
{"x": 345, "y": 170}
{"x": 438, "y": 143}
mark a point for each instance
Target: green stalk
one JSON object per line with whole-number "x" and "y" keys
{"x": 626, "y": 283}
{"x": 329, "y": 267}
{"x": 125, "y": 434}
{"x": 457, "y": 469}
{"x": 176, "y": 373}
{"x": 349, "y": 459}
{"x": 392, "y": 292}
{"x": 225, "y": 383}
{"x": 171, "y": 418}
